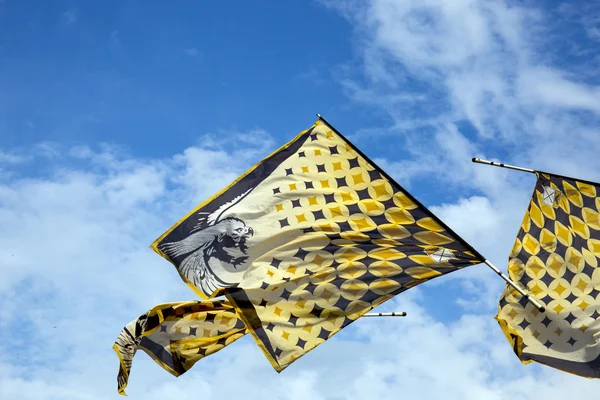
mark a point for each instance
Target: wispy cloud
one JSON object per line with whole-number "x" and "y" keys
{"x": 192, "y": 52}
{"x": 70, "y": 17}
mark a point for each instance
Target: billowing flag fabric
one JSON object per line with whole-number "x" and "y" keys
{"x": 555, "y": 257}
{"x": 177, "y": 335}
{"x": 308, "y": 240}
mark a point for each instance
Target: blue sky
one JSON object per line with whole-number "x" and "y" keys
{"x": 118, "y": 117}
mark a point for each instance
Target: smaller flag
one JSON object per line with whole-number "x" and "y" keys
{"x": 177, "y": 335}
{"x": 555, "y": 257}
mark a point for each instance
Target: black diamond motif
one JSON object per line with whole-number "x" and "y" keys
{"x": 263, "y": 303}
{"x": 546, "y": 321}
{"x": 285, "y": 294}
{"x": 595, "y": 314}
{"x": 284, "y": 222}
{"x": 193, "y": 331}
{"x": 354, "y": 209}
{"x": 570, "y": 318}
{"x": 571, "y": 298}
{"x": 222, "y": 341}
{"x": 201, "y": 351}
{"x": 316, "y": 311}
{"x": 278, "y": 352}
{"x": 288, "y": 171}
{"x": 270, "y": 327}
{"x": 310, "y": 288}
{"x": 363, "y": 194}
{"x": 309, "y": 185}
{"x": 523, "y": 300}
{"x": 295, "y": 203}
{"x": 210, "y": 317}
{"x": 344, "y": 226}
{"x": 568, "y": 275}
{"x": 354, "y": 162}
{"x": 264, "y": 285}
{"x": 524, "y": 324}
{"x": 318, "y": 215}
{"x": 342, "y": 303}
{"x": 329, "y": 198}
{"x": 324, "y": 334}
{"x": 374, "y": 175}
{"x": 163, "y": 328}
{"x": 301, "y": 253}
{"x": 301, "y": 343}
{"x": 572, "y": 341}
{"x": 301, "y": 154}
{"x": 321, "y": 168}
{"x": 340, "y": 182}
{"x": 313, "y": 137}
{"x": 276, "y": 263}
{"x": 293, "y": 319}
{"x": 547, "y": 344}
{"x": 588, "y": 270}
{"x": 333, "y": 150}
{"x": 276, "y": 191}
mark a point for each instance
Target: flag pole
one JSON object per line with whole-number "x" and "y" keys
{"x": 386, "y": 314}
{"x": 529, "y": 298}
{"x": 497, "y": 164}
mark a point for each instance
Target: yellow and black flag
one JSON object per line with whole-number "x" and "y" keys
{"x": 555, "y": 257}
{"x": 177, "y": 335}
{"x": 308, "y": 240}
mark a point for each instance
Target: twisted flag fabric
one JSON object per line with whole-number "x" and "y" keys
{"x": 555, "y": 257}
{"x": 307, "y": 241}
{"x": 177, "y": 335}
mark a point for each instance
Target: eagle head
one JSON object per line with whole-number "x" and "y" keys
{"x": 237, "y": 229}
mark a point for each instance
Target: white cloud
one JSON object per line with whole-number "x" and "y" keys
{"x": 70, "y": 17}
{"x": 192, "y": 52}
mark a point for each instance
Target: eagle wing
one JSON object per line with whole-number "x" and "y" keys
{"x": 186, "y": 245}
{"x": 206, "y": 219}
{"x": 195, "y": 270}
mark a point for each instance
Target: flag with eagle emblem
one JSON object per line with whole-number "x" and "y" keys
{"x": 308, "y": 240}
{"x": 555, "y": 257}
{"x": 177, "y": 335}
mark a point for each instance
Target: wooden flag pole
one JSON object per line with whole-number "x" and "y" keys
{"x": 529, "y": 298}
{"x": 386, "y": 314}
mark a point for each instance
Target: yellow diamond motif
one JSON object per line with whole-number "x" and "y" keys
{"x": 381, "y": 191}
{"x": 292, "y": 186}
{"x": 325, "y": 184}
{"x": 562, "y": 233}
{"x": 513, "y": 313}
{"x": 560, "y": 289}
{"x": 583, "y": 305}
{"x": 579, "y": 227}
{"x": 337, "y": 166}
{"x": 301, "y": 218}
{"x": 292, "y": 269}
{"x": 536, "y": 334}
{"x": 531, "y": 244}
{"x": 558, "y": 308}
{"x": 581, "y": 285}
{"x": 312, "y": 201}
{"x": 558, "y": 331}
{"x": 277, "y": 311}
{"x": 346, "y": 196}
{"x": 329, "y": 134}
{"x": 285, "y": 335}
{"x": 358, "y": 178}
{"x": 583, "y": 328}
{"x": 279, "y": 207}
{"x": 305, "y": 169}
{"x": 317, "y": 152}
{"x": 301, "y": 303}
